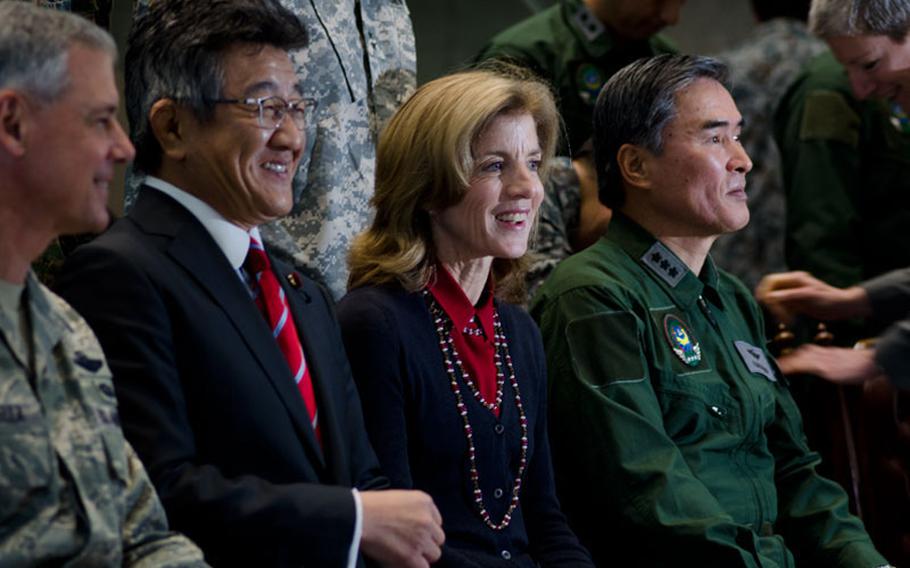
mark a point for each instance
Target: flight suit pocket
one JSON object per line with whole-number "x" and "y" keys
{"x": 695, "y": 410}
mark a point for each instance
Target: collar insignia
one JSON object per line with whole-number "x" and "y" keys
{"x": 665, "y": 264}
{"x": 587, "y": 23}
{"x": 681, "y": 341}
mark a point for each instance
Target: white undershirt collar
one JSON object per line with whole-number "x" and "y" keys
{"x": 232, "y": 239}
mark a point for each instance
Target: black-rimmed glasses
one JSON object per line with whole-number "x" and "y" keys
{"x": 273, "y": 109}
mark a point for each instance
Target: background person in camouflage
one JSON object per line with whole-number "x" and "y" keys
{"x": 71, "y": 489}
{"x": 571, "y": 216}
{"x": 360, "y": 66}
{"x": 577, "y": 45}
{"x": 761, "y": 69}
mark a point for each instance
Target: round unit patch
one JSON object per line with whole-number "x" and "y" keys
{"x": 681, "y": 340}
{"x": 590, "y": 80}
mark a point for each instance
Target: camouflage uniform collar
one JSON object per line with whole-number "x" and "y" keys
{"x": 9, "y": 320}
{"x": 48, "y": 326}
{"x": 594, "y": 36}
{"x": 661, "y": 264}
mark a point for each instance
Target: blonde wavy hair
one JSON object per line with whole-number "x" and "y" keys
{"x": 425, "y": 162}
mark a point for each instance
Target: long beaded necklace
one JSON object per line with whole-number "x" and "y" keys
{"x": 452, "y": 362}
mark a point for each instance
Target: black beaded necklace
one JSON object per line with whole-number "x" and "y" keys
{"x": 444, "y": 325}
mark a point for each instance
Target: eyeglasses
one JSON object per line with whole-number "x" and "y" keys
{"x": 272, "y": 110}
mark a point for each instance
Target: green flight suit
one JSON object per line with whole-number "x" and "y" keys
{"x": 566, "y": 45}
{"x": 846, "y": 168}
{"x": 695, "y": 458}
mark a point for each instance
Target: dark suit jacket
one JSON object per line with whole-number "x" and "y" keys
{"x": 207, "y": 398}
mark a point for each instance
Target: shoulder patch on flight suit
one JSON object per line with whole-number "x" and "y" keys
{"x": 665, "y": 264}
{"x": 605, "y": 348}
{"x": 756, "y": 360}
{"x": 828, "y": 116}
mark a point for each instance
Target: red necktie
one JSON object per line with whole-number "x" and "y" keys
{"x": 274, "y": 306}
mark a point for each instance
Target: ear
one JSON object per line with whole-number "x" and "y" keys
{"x": 167, "y": 122}
{"x": 633, "y": 165}
{"x": 13, "y": 127}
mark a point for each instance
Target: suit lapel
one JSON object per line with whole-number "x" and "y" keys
{"x": 197, "y": 253}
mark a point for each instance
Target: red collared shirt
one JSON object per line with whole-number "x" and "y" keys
{"x": 476, "y": 352}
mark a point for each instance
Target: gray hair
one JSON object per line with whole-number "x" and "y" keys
{"x": 34, "y": 47}
{"x": 830, "y": 18}
{"x": 635, "y": 106}
{"x": 175, "y": 51}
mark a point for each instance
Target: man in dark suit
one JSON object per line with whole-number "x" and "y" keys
{"x": 247, "y": 419}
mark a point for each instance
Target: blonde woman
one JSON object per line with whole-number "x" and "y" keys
{"x": 452, "y": 376}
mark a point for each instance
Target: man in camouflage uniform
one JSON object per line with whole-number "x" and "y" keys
{"x": 360, "y": 66}
{"x": 577, "y": 45}
{"x": 761, "y": 69}
{"x": 71, "y": 488}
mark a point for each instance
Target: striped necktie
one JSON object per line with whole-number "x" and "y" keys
{"x": 274, "y": 307}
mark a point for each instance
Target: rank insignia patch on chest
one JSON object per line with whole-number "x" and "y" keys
{"x": 681, "y": 341}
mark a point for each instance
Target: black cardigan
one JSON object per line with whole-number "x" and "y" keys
{"x": 412, "y": 422}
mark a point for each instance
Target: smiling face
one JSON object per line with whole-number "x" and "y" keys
{"x": 495, "y": 216}
{"x": 243, "y": 170}
{"x": 74, "y": 144}
{"x": 697, "y": 184}
{"x": 871, "y": 62}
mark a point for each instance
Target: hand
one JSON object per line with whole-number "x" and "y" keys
{"x": 839, "y": 365}
{"x": 401, "y": 528}
{"x": 789, "y": 293}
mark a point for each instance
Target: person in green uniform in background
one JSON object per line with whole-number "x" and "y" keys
{"x": 870, "y": 38}
{"x": 846, "y": 148}
{"x": 576, "y": 45}
{"x": 675, "y": 438}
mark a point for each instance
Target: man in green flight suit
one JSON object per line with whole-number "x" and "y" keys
{"x": 675, "y": 438}
{"x": 577, "y": 45}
